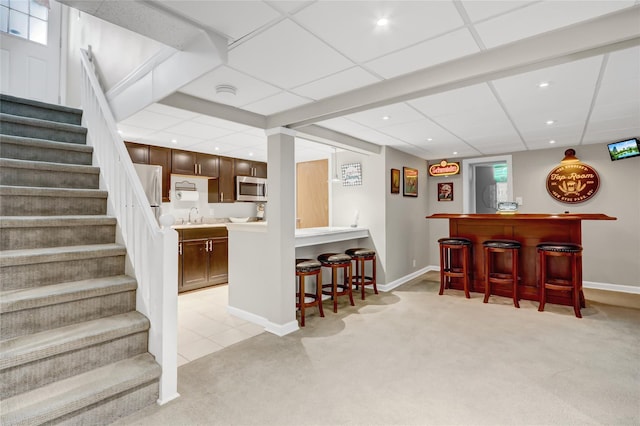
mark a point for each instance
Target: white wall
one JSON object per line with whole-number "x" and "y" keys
{"x": 118, "y": 51}
{"x": 611, "y": 248}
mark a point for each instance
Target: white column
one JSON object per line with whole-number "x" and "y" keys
{"x": 281, "y": 230}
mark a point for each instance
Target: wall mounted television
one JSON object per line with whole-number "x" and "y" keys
{"x": 624, "y": 149}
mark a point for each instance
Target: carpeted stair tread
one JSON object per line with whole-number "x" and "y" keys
{"x": 19, "y": 106}
{"x": 25, "y": 349}
{"x": 36, "y": 297}
{"x": 45, "y": 143}
{"x": 53, "y": 221}
{"x": 51, "y": 192}
{"x": 48, "y": 166}
{"x": 37, "y": 122}
{"x": 57, "y": 254}
{"x": 75, "y": 393}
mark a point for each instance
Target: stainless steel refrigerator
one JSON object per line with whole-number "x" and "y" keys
{"x": 151, "y": 179}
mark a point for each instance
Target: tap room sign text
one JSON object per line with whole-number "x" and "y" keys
{"x": 573, "y": 183}
{"x": 444, "y": 168}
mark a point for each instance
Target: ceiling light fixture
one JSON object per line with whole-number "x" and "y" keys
{"x": 174, "y": 141}
{"x": 386, "y": 117}
{"x": 382, "y": 22}
{"x": 544, "y": 84}
{"x": 429, "y": 139}
{"x": 455, "y": 152}
{"x": 552, "y": 141}
{"x": 226, "y": 91}
{"x": 550, "y": 122}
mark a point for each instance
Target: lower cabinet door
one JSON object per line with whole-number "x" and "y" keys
{"x": 218, "y": 261}
{"x": 195, "y": 271}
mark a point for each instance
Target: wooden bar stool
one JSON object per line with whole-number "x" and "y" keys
{"x": 448, "y": 247}
{"x": 337, "y": 261}
{"x": 566, "y": 281}
{"x": 360, "y": 256}
{"x": 493, "y": 275}
{"x": 305, "y": 268}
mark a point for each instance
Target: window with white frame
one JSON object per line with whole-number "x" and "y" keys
{"x": 25, "y": 18}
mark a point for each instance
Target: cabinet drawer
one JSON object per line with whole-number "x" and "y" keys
{"x": 203, "y": 233}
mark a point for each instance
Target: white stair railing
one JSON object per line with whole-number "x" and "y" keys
{"x": 152, "y": 251}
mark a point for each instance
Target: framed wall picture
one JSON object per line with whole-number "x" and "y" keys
{"x": 395, "y": 181}
{"x": 445, "y": 191}
{"x": 351, "y": 174}
{"x": 410, "y": 182}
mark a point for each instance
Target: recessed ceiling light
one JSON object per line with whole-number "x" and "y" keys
{"x": 552, "y": 141}
{"x": 174, "y": 141}
{"x": 119, "y": 132}
{"x": 217, "y": 148}
{"x": 544, "y": 84}
{"x": 386, "y": 117}
{"x": 455, "y": 152}
{"x": 550, "y": 122}
{"x": 251, "y": 154}
{"x": 382, "y": 22}
{"x": 429, "y": 139}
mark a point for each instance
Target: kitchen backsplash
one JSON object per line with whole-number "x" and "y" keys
{"x": 208, "y": 211}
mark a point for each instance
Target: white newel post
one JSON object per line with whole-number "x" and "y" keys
{"x": 280, "y": 279}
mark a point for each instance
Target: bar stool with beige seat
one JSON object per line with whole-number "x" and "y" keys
{"x": 305, "y": 268}
{"x": 455, "y": 262}
{"x": 337, "y": 261}
{"x": 360, "y": 256}
{"x": 493, "y": 274}
{"x": 556, "y": 278}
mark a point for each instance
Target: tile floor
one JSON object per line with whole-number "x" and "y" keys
{"x": 205, "y": 326}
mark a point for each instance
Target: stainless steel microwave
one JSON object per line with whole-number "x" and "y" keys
{"x": 250, "y": 188}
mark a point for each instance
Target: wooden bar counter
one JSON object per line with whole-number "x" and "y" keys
{"x": 529, "y": 230}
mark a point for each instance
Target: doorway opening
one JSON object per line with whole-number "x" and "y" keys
{"x": 487, "y": 181}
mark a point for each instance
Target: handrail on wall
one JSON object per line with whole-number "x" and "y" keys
{"x": 152, "y": 251}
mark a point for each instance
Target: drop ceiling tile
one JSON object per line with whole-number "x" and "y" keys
{"x": 234, "y": 19}
{"x": 289, "y": 6}
{"x": 197, "y": 130}
{"x": 249, "y": 89}
{"x": 287, "y": 56}
{"x": 478, "y": 10}
{"x": 418, "y": 131}
{"x": 351, "y": 26}
{"x": 468, "y": 113}
{"x": 151, "y": 120}
{"x": 165, "y": 139}
{"x": 131, "y": 133}
{"x": 276, "y": 103}
{"x": 567, "y": 100}
{"x": 428, "y": 53}
{"x": 169, "y": 110}
{"x": 357, "y": 130}
{"x": 242, "y": 140}
{"x": 334, "y": 84}
{"x": 541, "y": 17}
{"x": 396, "y": 113}
{"x": 252, "y": 153}
{"x": 218, "y": 122}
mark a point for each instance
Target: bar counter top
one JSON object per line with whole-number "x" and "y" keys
{"x": 529, "y": 229}
{"x": 523, "y": 216}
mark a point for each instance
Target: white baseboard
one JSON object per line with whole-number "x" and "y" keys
{"x": 611, "y": 287}
{"x": 396, "y": 283}
{"x": 277, "y": 329}
{"x": 586, "y": 284}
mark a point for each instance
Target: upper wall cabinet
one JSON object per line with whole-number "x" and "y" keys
{"x": 193, "y": 163}
{"x": 139, "y": 153}
{"x": 250, "y": 168}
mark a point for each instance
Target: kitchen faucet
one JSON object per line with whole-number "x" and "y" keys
{"x": 192, "y": 209}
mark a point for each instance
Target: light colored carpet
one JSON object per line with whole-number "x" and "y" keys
{"x": 411, "y": 357}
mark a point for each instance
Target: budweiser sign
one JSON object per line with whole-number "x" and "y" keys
{"x": 573, "y": 183}
{"x": 444, "y": 168}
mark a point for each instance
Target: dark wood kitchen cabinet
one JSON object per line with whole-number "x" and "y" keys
{"x": 202, "y": 257}
{"x": 221, "y": 190}
{"x": 156, "y": 156}
{"x": 250, "y": 168}
{"x": 194, "y": 163}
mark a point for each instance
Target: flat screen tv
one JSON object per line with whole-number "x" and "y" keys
{"x": 624, "y": 149}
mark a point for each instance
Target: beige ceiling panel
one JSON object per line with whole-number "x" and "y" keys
{"x": 276, "y": 103}
{"x": 334, "y": 84}
{"x": 152, "y": 120}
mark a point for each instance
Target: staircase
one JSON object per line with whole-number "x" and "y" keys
{"x": 73, "y": 349}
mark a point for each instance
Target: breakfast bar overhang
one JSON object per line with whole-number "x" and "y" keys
{"x": 529, "y": 229}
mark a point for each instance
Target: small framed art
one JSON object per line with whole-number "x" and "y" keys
{"x": 410, "y": 182}
{"x": 445, "y": 191}
{"x": 395, "y": 181}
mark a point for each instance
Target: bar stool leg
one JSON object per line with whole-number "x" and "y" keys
{"x": 302, "y": 300}
{"x": 348, "y": 281}
{"x": 443, "y": 252}
{"x": 465, "y": 267}
{"x": 334, "y": 286}
{"x": 360, "y": 275}
{"x": 487, "y": 268}
{"x": 543, "y": 273}
{"x": 514, "y": 271}
{"x": 319, "y": 292}
{"x": 576, "y": 291}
